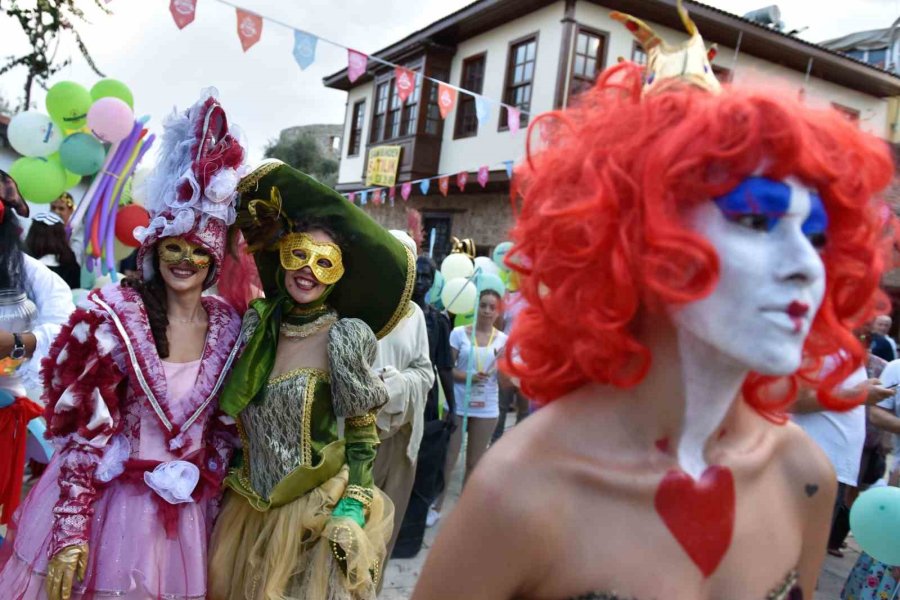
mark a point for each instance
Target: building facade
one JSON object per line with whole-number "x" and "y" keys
{"x": 537, "y": 55}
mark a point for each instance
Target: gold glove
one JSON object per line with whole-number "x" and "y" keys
{"x": 68, "y": 563}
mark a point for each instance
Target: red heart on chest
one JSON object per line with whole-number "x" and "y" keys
{"x": 700, "y": 514}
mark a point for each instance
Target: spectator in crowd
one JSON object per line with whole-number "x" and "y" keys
{"x": 64, "y": 207}
{"x": 46, "y": 241}
{"x": 480, "y": 407}
{"x": 430, "y": 480}
{"x": 404, "y": 366}
{"x": 882, "y": 327}
{"x": 511, "y": 397}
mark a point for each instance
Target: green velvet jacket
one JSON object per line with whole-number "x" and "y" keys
{"x": 289, "y": 432}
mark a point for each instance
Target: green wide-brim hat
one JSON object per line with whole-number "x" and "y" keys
{"x": 379, "y": 271}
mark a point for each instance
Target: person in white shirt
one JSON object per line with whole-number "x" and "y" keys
{"x": 886, "y": 415}
{"x": 404, "y": 364}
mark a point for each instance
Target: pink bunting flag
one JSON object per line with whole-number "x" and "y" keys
{"x": 405, "y": 82}
{"x": 513, "y": 119}
{"x": 392, "y": 193}
{"x": 406, "y": 190}
{"x": 376, "y": 197}
{"x": 483, "y": 174}
{"x": 249, "y": 28}
{"x": 356, "y": 64}
{"x": 352, "y": 197}
{"x": 183, "y": 11}
{"x": 444, "y": 184}
{"x": 462, "y": 178}
{"x": 446, "y": 99}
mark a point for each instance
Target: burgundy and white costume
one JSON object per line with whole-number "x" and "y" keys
{"x": 129, "y": 453}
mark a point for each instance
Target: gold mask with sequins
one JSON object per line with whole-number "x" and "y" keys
{"x": 299, "y": 250}
{"x": 174, "y": 250}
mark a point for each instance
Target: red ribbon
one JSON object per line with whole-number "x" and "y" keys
{"x": 13, "y": 433}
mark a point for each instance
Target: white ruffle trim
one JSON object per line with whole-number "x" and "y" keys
{"x": 174, "y": 481}
{"x": 112, "y": 464}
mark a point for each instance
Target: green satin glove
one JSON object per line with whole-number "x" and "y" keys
{"x": 352, "y": 509}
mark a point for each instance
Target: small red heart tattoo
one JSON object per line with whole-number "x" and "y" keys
{"x": 700, "y": 514}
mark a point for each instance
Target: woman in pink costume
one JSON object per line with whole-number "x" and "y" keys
{"x": 126, "y": 506}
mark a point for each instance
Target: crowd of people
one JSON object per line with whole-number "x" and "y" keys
{"x": 269, "y": 407}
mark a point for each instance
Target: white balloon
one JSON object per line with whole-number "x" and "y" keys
{"x": 458, "y": 296}
{"x": 488, "y": 266}
{"x": 457, "y": 265}
{"x": 32, "y": 133}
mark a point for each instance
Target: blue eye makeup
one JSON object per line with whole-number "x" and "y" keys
{"x": 759, "y": 203}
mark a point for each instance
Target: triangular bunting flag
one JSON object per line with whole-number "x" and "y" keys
{"x": 405, "y": 190}
{"x": 462, "y": 178}
{"x": 405, "y": 80}
{"x": 249, "y": 28}
{"x": 483, "y": 174}
{"x": 444, "y": 184}
{"x": 513, "y": 119}
{"x": 509, "y": 167}
{"x": 392, "y": 193}
{"x": 482, "y": 109}
{"x": 376, "y": 197}
{"x": 446, "y": 99}
{"x": 356, "y": 64}
{"x": 352, "y": 197}
{"x": 304, "y": 48}
{"x": 183, "y": 11}
{"x": 364, "y": 197}
{"x": 423, "y": 187}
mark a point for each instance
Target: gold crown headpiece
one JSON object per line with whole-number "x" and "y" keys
{"x": 667, "y": 65}
{"x": 466, "y": 246}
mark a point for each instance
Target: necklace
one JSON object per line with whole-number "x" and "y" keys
{"x": 307, "y": 329}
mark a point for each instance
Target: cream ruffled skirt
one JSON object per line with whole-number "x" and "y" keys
{"x": 288, "y": 553}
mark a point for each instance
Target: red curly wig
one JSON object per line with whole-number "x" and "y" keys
{"x": 599, "y": 233}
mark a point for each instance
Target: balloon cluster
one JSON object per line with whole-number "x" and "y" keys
{"x": 67, "y": 143}
{"x": 461, "y": 279}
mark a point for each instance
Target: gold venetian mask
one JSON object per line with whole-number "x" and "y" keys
{"x": 298, "y": 250}
{"x": 174, "y": 250}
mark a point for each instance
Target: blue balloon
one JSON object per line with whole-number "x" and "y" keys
{"x": 433, "y": 296}
{"x": 875, "y": 522}
{"x": 6, "y": 399}
{"x": 489, "y": 281}
{"x": 500, "y": 253}
{"x": 82, "y": 154}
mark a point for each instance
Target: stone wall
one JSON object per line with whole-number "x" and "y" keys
{"x": 486, "y": 218}
{"x": 324, "y": 135}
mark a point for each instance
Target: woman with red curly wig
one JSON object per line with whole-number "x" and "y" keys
{"x": 689, "y": 256}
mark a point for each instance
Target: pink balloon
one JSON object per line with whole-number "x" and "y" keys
{"x": 110, "y": 119}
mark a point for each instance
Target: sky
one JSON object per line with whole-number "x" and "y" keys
{"x": 263, "y": 89}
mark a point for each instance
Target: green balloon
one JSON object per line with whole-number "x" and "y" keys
{"x": 40, "y": 180}
{"x": 72, "y": 179}
{"x": 112, "y": 88}
{"x": 68, "y": 104}
{"x": 82, "y": 154}
{"x": 875, "y": 522}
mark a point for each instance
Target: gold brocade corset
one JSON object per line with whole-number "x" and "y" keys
{"x": 287, "y": 429}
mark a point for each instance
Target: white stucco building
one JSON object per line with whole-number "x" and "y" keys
{"x": 536, "y": 54}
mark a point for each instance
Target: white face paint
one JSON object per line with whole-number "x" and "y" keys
{"x": 771, "y": 283}
{"x": 771, "y": 277}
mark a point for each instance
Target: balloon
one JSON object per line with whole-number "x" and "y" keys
{"x": 875, "y": 522}
{"x": 40, "y": 180}
{"x": 121, "y": 251}
{"x": 110, "y": 119}
{"x": 490, "y": 281}
{"x": 500, "y": 252}
{"x": 82, "y": 154}
{"x": 433, "y": 295}
{"x": 6, "y": 399}
{"x": 127, "y": 219}
{"x": 457, "y": 265}
{"x": 463, "y": 320}
{"x": 112, "y": 88}
{"x": 68, "y": 104}
{"x": 459, "y": 295}
{"x": 512, "y": 282}
{"x": 32, "y": 133}
{"x": 72, "y": 179}
{"x": 487, "y": 265}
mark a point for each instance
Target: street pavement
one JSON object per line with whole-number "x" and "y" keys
{"x": 401, "y": 574}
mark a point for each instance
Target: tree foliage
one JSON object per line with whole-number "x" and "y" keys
{"x": 303, "y": 153}
{"x": 42, "y": 22}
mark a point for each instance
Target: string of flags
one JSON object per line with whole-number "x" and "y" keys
{"x": 380, "y": 195}
{"x": 250, "y": 28}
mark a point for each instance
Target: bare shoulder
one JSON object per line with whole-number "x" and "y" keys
{"x": 806, "y": 466}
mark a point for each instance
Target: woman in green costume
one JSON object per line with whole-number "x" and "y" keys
{"x": 302, "y": 518}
